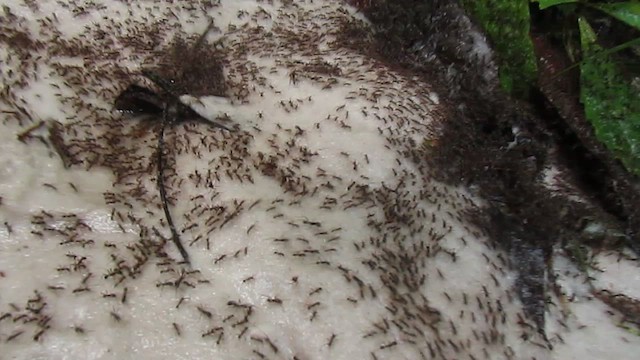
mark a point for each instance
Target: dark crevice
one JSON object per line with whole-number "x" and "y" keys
{"x": 591, "y": 174}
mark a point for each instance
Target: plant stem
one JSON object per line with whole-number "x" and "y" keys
{"x": 163, "y": 193}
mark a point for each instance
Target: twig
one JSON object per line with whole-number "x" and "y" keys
{"x": 27, "y": 133}
{"x": 163, "y": 192}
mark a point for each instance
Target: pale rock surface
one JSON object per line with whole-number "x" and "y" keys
{"x": 315, "y": 230}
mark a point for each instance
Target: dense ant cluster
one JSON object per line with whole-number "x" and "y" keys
{"x": 167, "y": 105}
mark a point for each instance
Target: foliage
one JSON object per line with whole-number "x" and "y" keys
{"x": 548, "y": 3}
{"x": 506, "y": 22}
{"x": 627, "y": 12}
{"x": 611, "y": 104}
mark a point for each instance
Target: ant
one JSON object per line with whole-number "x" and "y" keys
{"x": 138, "y": 100}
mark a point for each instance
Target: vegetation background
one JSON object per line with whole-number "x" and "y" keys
{"x": 600, "y": 40}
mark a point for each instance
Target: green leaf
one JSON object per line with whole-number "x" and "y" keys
{"x": 611, "y": 103}
{"x": 606, "y": 52}
{"x": 506, "y": 23}
{"x": 627, "y": 12}
{"x": 548, "y": 3}
{"x": 587, "y": 35}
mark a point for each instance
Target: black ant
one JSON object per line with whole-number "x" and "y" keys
{"x": 138, "y": 100}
